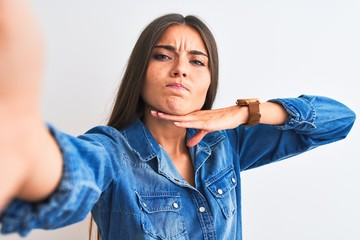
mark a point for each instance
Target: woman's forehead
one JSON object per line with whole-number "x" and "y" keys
{"x": 182, "y": 37}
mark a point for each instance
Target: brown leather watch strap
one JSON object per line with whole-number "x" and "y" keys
{"x": 254, "y": 110}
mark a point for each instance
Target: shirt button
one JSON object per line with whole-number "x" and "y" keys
{"x": 233, "y": 180}
{"x": 220, "y": 191}
{"x": 202, "y": 209}
{"x": 175, "y": 205}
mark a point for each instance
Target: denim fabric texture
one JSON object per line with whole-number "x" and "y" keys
{"x": 134, "y": 191}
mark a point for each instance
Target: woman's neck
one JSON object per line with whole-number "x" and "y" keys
{"x": 172, "y": 140}
{"x": 170, "y": 137}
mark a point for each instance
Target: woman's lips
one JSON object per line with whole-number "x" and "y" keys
{"x": 177, "y": 86}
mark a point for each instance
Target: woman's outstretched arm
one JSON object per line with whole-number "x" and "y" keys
{"x": 30, "y": 160}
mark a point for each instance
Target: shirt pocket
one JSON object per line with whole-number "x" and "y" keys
{"x": 222, "y": 187}
{"x": 161, "y": 218}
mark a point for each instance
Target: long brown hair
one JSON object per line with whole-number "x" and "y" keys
{"x": 129, "y": 104}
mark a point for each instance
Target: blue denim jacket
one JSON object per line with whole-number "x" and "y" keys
{"x": 134, "y": 191}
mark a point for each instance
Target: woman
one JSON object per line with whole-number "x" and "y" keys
{"x": 166, "y": 166}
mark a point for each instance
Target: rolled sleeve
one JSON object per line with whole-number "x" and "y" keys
{"x": 301, "y": 112}
{"x": 313, "y": 121}
{"x": 324, "y": 119}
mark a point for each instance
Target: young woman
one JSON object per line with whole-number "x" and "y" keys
{"x": 166, "y": 166}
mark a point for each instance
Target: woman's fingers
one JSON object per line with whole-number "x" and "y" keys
{"x": 169, "y": 117}
{"x": 205, "y": 121}
{"x": 209, "y": 120}
{"x": 184, "y": 122}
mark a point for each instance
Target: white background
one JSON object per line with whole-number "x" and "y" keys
{"x": 267, "y": 49}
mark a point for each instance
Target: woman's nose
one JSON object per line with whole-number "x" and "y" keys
{"x": 180, "y": 69}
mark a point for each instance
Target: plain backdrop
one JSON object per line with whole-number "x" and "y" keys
{"x": 267, "y": 49}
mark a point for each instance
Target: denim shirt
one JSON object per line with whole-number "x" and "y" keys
{"x": 134, "y": 190}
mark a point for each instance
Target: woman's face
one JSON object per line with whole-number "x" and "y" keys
{"x": 178, "y": 76}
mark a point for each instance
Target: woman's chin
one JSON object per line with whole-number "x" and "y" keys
{"x": 175, "y": 110}
{"x": 178, "y": 112}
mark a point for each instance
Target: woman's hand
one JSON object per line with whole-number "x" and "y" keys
{"x": 30, "y": 160}
{"x": 21, "y": 54}
{"x": 207, "y": 120}
{"x": 225, "y": 118}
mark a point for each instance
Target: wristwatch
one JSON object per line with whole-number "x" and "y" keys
{"x": 254, "y": 110}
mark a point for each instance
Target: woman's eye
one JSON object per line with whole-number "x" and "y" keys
{"x": 161, "y": 57}
{"x": 198, "y": 62}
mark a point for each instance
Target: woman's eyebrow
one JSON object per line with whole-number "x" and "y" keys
{"x": 173, "y": 49}
{"x": 167, "y": 47}
{"x": 196, "y": 52}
